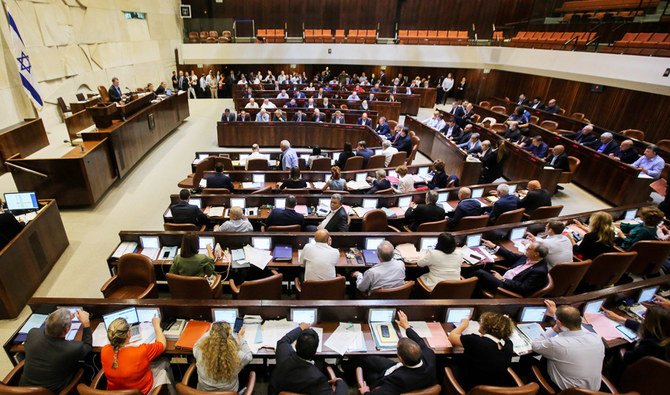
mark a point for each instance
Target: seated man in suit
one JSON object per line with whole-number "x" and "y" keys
{"x": 537, "y": 147}
{"x": 295, "y": 370}
{"x": 185, "y": 213}
{"x": 415, "y": 371}
{"x": 243, "y": 117}
{"x": 161, "y": 88}
{"x": 552, "y": 107}
{"x": 626, "y": 153}
{"x": 114, "y": 91}
{"x": 364, "y": 120}
{"x": 383, "y": 128}
{"x": 319, "y": 258}
{"x": 505, "y": 202}
{"x": 325, "y": 103}
{"x": 451, "y": 130}
{"x": 262, "y": 116}
{"x": 282, "y": 94}
{"x": 363, "y": 150}
{"x": 523, "y": 101}
{"x": 228, "y": 116}
{"x": 465, "y": 136}
{"x": 337, "y": 219}
{"x": 403, "y": 142}
{"x": 585, "y": 137}
{"x": 535, "y": 197}
{"x": 338, "y": 118}
{"x": 513, "y": 133}
{"x": 291, "y": 104}
{"x": 473, "y": 146}
{"x": 527, "y": 273}
{"x": 299, "y": 116}
{"x": 388, "y": 273}
{"x": 607, "y": 144}
{"x": 285, "y": 216}
{"x": 558, "y": 159}
{"x": 318, "y": 117}
{"x": 379, "y": 183}
{"x": 466, "y": 207}
{"x": 219, "y": 180}
{"x": 537, "y": 103}
{"x": 418, "y": 214}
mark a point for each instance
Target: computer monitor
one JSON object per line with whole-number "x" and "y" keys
{"x": 237, "y": 254}
{"x": 325, "y": 202}
{"x": 336, "y": 156}
{"x": 195, "y": 202}
{"x": 311, "y": 240}
{"x": 457, "y": 314}
{"x": 21, "y": 201}
{"x": 361, "y": 177}
{"x": 224, "y": 315}
{"x": 428, "y": 243}
{"x": 146, "y": 314}
{"x": 129, "y": 313}
{"x": 423, "y": 171}
{"x": 404, "y": 201}
{"x": 150, "y": 242}
{"x": 647, "y": 294}
{"x": 243, "y": 157}
{"x": 371, "y": 243}
{"x": 262, "y": 243}
{"x": 370, "y": 203}
{"x": 442, "y": 197}
{"x": 473, "y": 240}
{"x": 477, "y": 193}
{"x": 258, "y": 178}
{"x": 517, "y": 233}
{"x": 280, "y": 202}
{"x": 73, "y": 310}
{"x": 512, "y": 188}
{"x": 381, "y": 315}
{"x": 629, "y": 216}
{"x": 238, "y": 202}
{"x": 203, "y": 156}
{"x": 308, "y": 316}
{"x": 203, "y": 241}
{"x": 594, "y": 306}
{"x": 532, "y": 314}
{"x": 266, "y": 156}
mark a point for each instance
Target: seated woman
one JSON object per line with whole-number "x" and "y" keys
{"x": 316, "y": 153}
{"x": 347, "y": 153}
{"x": 189, "y": 262}
{"x": 487, "y": 355}
{"x": 295, "y": 181}
{"x": 439, "y": 180}
{"x": 237, "y": 222}
{"x": 599, "y": 238}
{"x": 406, "y": 183}
{"x": 220, "y": 356}
{"x": 651, "y": 217}
{"x": 278, "y": 116}
{"x": 443, "y": 263}
{"x": 335, "y": 183}
{"x": 134, "y": 367}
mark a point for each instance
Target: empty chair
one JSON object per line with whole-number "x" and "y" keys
{"x": 321, "y": 164}
{"x": 10, "y": 384}
{"x": 193, "y": 287}
{"x": 499, "y": 109}
{"x": 498, "y": 128}
{"x": 651, "y": 255}
{"x": 664, "y": 145}
{"x": 484, "y": 104}
{"x": 607, "y": 269}
{"x": 64, "y": 109}
{"x": 188, "y": 384}
{"x": 401, "y": 292}
{"x": 99, "y": 382}
{"x": 295, "y": 191}
{"x": 283, "y": 228}
{"x": 510, "y": 217}
{"x": 449, "y": 289}
{"x": 633, "y": 134}
{"x": 398, "y": 159}
{"x": 517, "y": 387}
{"x": 257, "y": 164}
{"x": 472, "y": 222}
{"x": 583, "y": 391}
{"x": 549, "y": 125}
{"x": 135, "y": 279}
{"x": 354, "y": 163}
{"x": 648, "y": 376}
{"x": 578, "y": 116}
{"x": 436, "y": 226}
{"x": 266, "y": 288}
{"x": 566, "y": 176}
{"x": 333, "y": 289}
{"x": 545, "y": 212}
{"x": 377, "y": 221}
{"x": 200, "y": 169}
{"x": 534, "y": 119}
{"x": 375, "y": 162}
{"x": 567, "y": 277}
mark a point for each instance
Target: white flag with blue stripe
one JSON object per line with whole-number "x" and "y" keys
{"x": 23, "y": 63}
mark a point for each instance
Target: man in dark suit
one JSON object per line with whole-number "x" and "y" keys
{"x": 451, "y": 130}
{"x": 114, "y": 91}
{"x": 228, "y": 116}
{"x": 522, "y": 100}
{"x": 182, "y": 82}
{"x": 466, "y": 207}
{"x": 220, "y": 180}
{"x": 607, "y": 144}
{"x": 295, "y": 370}
{"x": 380, "y": 182}
{"x": 338, "y": 118}
{"x": 558, "y": 159}
{"x": 465, "y": 136}
{"x": 299, "y": 116}
{"x": 552, "y": 107}
{"x": 243, "y": 117}
{"x": 383, "y": 128}
{"x": 185, "y": 213}
{"x": 491, "y": 167}
{"x": 337, "y": 219}
{"x": 403, "y": 142}
{"x": 527, "y": 273}
{"x": 537, "y": 103}
{"x": 363, "y": 150}
{"x": 462, "y": 114}
{"x": 318, "y": 116}
{"x": 626, "y": 152}
{"x": 418, "y": 214}
{"x": 285, "y": 216}
{"x": 298, "y": 95}
{"x": 161, "y": 88}
{"x": 364, "y": 120}
{"x": 505, "y": 202}
{"x": 536, "y": 197}
{"x": 415, "y": 371}
{"x": 585, "y": 137}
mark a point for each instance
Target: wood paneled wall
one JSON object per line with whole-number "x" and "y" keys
{"x": 614, "y": 109}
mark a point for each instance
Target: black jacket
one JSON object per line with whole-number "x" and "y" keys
{"x": 9, "y": 228}
{"x": 284, "y": 217}
{"x": 534, "y": 199}
{"x": 455, "y": 132}
{"x": 404, "y": 144}
{"x": 491, "y": 168}
{"x": 342, "y": 159}
{"x": 339, "y": 222}
{"x": 465, "y": 208}
{"x": 529, "y": 280}
{"x": 294, "y": 374}
{"x": 379, "y": 186}
{"x": 184, "y": 213}
{"x": 561, "y": 162}
{"x": 424, "y": 213}
{"x": 440, "y": 180}
{"x": 503, "y": 205}
{"x": 228, "y": 118}
{"x": 219, "y": 180}
{"x": 588, "y": 140}
{"x": 114, "y": 93}
{"x": 629, "y": 156}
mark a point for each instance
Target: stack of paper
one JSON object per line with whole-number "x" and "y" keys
{"x": 531, "y": 330}
{"x": 521, "y": 345}
{"x": 361, "y": 211}
{"x": 256, "y": 257}
{"x": 347, "y": 338}
{"x": 603, "y": 326}
{"x": 318, "y": 185}
{"x": 408, "y": 253}
{"x": 251, "y": 185}
{"x": 355, "y": 185}
{"x": 420, "y": 327}
{"x": 438, "y": 337}
{"x": 216, "y": 211}
{"x": 126, "y": 247}
{"x": 390, "y": 213}
{"x": 268, "y": 334}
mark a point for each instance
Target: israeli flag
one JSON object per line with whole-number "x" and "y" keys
{"x": 23, "y": 63}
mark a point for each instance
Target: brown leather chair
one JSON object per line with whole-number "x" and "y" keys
{"x": 472, "y": 222}
{"x": 502, "y": 293}
{"x": 226, "y": 162}
{"x": 104, "y": 94}
{"x": 648, "y": 376}
{"x": 64, "y": 109}
{"x": 376, "y": 221}
{"x": 172, "y": 227}
{"x": 566, "y": 176}
{"x": 100, "y": 382}
{"x": 549, "y": 125}
{"x": 321, "y": 164}
{"x": 607, "y": 269}
{"x": 449, "y": 289}
{"x": 510, "y": 217}
{"x": 135, "y": 279}
{"x": 331, "y": 375}
{"x": 651, "y": 255}
{"x": 567, "y": 277}
{"x": 376, "y": 162}
{"x": 432, "y": 390}
{"x": 545, "y": 212}
{"x": 10, "y": 384}
{"x": 584, "y": 391}
{"x": 401, "y": 292}
{"x": 577, "y": 115}
{"x": 387, "y": 191}
{"x": 193, "y": 181}
{"x": 664, "y": 145}
{"x": 295, "y": 191}
{"x": 284, "y": 228}
{"x": 633, "y": 134}
{"x": 415, "y": 148}
{"x": 262, "y": 191}
{"x": 534, "y": 119}
{"x": 257, "y": 164}
{"x": 215, "y": 191}
{"x": 333, "y": 289}
{"x": 354, "y": 163}
{"x": 485, "y": 104}
{"x": 516, "y": 387}
{"x": 190, "y": 380}
{"x": 499, "y": 109}
{"x": 191, "y": 287}
{"x": 498, "y": 128}
{"x": 398, "y": 159}
{"x": 548, "y": 388}
{"x": 392, "y": 124}
{"x": 266, "y": 288}
{"x": 436, "y": 226}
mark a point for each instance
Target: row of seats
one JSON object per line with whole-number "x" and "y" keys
{"x": 439, "y": 37}
{"x": 601, "y": 16}
{"x": 551, "y": 40}
{"x": 210, "y": 37}
{"x": 272, "y": 35}
{"x": 642, "y": 44}
{"x": 605, "y": 5}
{"x": 354, "y": 36}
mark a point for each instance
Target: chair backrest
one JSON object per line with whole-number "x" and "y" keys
{"x": 401, "y": 292}
{"x": 284, "y": 228}
{"x": 321, "y": 164}
{"x": 179, "y": 227}
{"x": 546, "y": 212}
{"x": 567, "y": 277}
{"x": 257, "y": 164}
{"x": 266, "y": 288}
{"x": 262, "y": 191}
{"x": 472, "y": 222}
{"x": 578, "y": 116}
{"x": 606, "y": 269}
{"x": 544, "y": 290}
{"x": 376, "y": 162}
{"x": 61, "y": 105}
{"x": 436, "y": 226}
{"x": 387, "y": 191}
{"x": 354, "y": 163}
{"x": 398, "y": 159}
{"x": 484, "y": 104}
{"x": 434, "y": 390}
{"x": 458, "y": 289}
{"x": 573, "y": 163}
{"x": 216, "y": 191}
{"x": 375, "y": 221}
{"x": 499, "y": 109}
{"x": 664, "y": 145}
{"x": 510, "y": 217}
{"x": 415, "y": 148}
{"x": 528, "y": 389}
{"x": 549, "y": 125}
{"x": 633, "y": 133}
{"x": 186, "y": 390}
{"x": 648, "y": 376}
{"x": 393, "y": 124}
{"x": 104, "y": 95}
{"x": 80, "y": 96}
{"x": 498, "y": 128}
{"x": 99, "y": 381}
{"x": 226, "y": 162}
{"x": 136, "y": 269}
{"x": 188, "y": 287}
{"x": 584, "y": 391}
{"x": 332, "y": 289}
{"x": 651, "y": 255}
{"x": 296, "y": 191}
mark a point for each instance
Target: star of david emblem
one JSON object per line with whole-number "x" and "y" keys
{"x": 24, "y": 61}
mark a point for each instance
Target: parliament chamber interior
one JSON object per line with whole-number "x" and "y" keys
{"x": 335, "y": 197}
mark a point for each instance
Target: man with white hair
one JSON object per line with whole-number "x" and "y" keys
{"x": 262, "y": 116}
{"x": 585, "y": 137}
{"x": 505, "y": 202}
{"x": 388, "y": 273}
{"x": 432, "y": 121}
{"x": 252, "y": 104}
{"x": 289, "y": 158}
{"x": 380, "y": 182}
{"x": 388, "y": 151}
{"x": 607, "y": 144}
{"x": 267, "y": 104}
{"x": 282, "y": 94}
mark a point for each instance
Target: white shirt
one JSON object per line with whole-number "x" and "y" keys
{"x": 388, "y": 153}
{"x": 319, "y": 260}
{"x": 574, "y": 358}
{"x": 251, "y": 105}
{"x": 447, "y": 84}
{"x": 389, "y": 274}
{"x": 440, "y": 124}
{"x": 282, "y": 96}
{"x": 406, "y": 184}
{"x": 441, "y": 267}
{"x": 269, "y": 105}
{"x": 432, "y": 122}
{"x": 560, "y": 249}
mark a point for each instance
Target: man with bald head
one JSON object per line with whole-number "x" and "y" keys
{"x": 389, "y": 273}
{"x": 466, "y": 207}
{"x": 585, "y": 137}
{"x": 536, "y": 197}
{"x": 626, "y": 153}
{"x": 558, "y": 159}
{"x": 319, "y": 258}
{"x": 607, "y": 144}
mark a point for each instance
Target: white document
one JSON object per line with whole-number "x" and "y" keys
{"x": 347, "y": 337}
{"x": 216, "y": 211}
{"x": 420, "y": 327}
{"x": 473, "y": 328}
{"x": 318, "y": 185}
{"x": 358, "y": 185}
{"x": 100, "y": 336}
{"x": 446, "y": 206}
{"x": 35, "y": 321}
{"x": 125, "y": 247}
{"x": 258, "y": 258}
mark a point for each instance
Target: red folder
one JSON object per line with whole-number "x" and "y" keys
{"x": 192, "y": 333}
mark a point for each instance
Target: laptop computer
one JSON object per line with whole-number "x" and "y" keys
{"x": 150, "y": 246}
{"x": 238, "y": 259}
{"x": 457, "y": 314}
{"x": 282, "y": 253}
{"x": 473, "y": 240}
{"x": 262, "y": 243}
{"x": 361, "y": 177}
{"x": 427, "y": 243}
{"x": 130, "y": 314}
{"x": 517, "y": 233}
{"x": 203, "y": 241}
{"x": 280, "y": 202}
{"x": 532, "y": 314}
{"x": 477, "y": 193}
{"x": 228, "y": 315}
{"x": 308, "y": 316}
{"x": 370, "y": 251}
{"x": 370, "y": 203}
{"x": 404, "y": 202}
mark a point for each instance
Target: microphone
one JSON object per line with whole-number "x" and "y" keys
{"x": 128, "y": 89}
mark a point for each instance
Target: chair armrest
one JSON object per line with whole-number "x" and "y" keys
{"x": 71, "y": 388}
{"x": 393, "y": 228}
{"x": 359, "y": 378}
{"x": 274, "y": 272}
{"x": 151, "y": 289}
{"x": 298, "y": 287}
{"x": 331, "y": 373}
{"x": 423, "y": 289}
{"x": 217, "y": 287}
{"x": 540, "y": 379}
{"x": 450, "y": 382}
{"x": 610, "y": 387}
{"x": 216, "y": 282}
{"x": 14, "y": 375}
{"x": 157, "y": 390}
{"x": 203, "y": 228}
{"x": 251, "y": 383}
{"x": 235, "y": 289}
{"x": 500, "y": 291}
{"x": 109, "y": 286}
{"x": 407, "y": 229}
{"x": 187, "y": 375}
{"x": 97, "y": 379}
{"x": 515, "y": 377}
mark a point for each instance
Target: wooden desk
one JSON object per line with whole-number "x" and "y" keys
{"x": 350, "y": 116}
{"x": 83, "y": 105}
{"x": 28, "y": 258}
{"x": 300, "y": 134}
{"x": 77, "y": 122}
{"x": 23, "y": 138}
